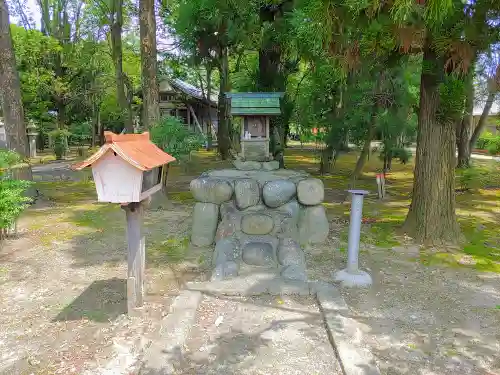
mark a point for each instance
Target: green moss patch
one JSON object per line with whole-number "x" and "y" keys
{"x": 181, "y": 197}
{"x": 66, "y": 192}
{"x": 171, "y": 250}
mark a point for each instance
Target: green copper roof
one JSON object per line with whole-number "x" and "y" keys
{"x": 255, "y": 103}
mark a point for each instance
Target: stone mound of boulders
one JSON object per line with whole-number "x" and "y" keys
{"x": 258, "y": 217}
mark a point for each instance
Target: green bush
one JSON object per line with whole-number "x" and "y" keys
{"x": 12, "y": 198}
{"x": 81, "y": 133}
{"x": 493, "y": 147}
{"x": 59, "y": 139}
{"x": 488, "y": 141}
{"x": 400, "y": 153}
{"x": 175, "y": 138}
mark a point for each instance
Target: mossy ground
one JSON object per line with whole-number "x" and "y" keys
{"x": 478, "y": 208}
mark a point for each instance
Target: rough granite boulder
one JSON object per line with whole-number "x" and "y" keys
{"x": 211, "y": 190}
{"x": 257, "y": 208}
{"x": 246, "y": 193}
{"x": 271, "y": 165}
{"x": 294, "y": 272}
{"x": 257, "y": 223}
{"x": 205, "y": 219}
{"x": 228, "y": 208}
{"x": 285, "y": 226}
{"x": 291, "y": 208}
{"x": 310, "y": 191}
{"x": 290, "y": 253}
{"x": 227, "y": 249}
{"x": 225, "y": 270}
{"x": 313, "y": 225}
{"x": 259, "y": 254}
{"x": 247, "y": 165}
{"x": 278, "y": 192}
{"x": 229, "y": 225}
{"x": 246, "y": 239}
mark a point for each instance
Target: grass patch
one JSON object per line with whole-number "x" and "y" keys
{"x": 172, "y": 250}
{"x": 440, "y": 259}
{"x": 97, "y": 216}
{"x": 67, "y": 192}
{"x": 181, "y": 197}
{"x": 383, "y": 235}
{"x": 75, "y": 211}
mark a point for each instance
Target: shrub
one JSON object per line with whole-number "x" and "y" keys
{"x": 59, "y": 139}
{"x": 175, "y": 138}
{"x": 400, "y": 153}
{"x": 483, "y": 141}
{"x": 493, "y": 146}
{"x": 488, "y": 141}
{"x": 12, "y": 198}
{"x": 81, "y": 133}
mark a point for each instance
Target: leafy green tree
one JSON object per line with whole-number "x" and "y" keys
{"x": 447, "y": 34}
{"x": 34, "y": 52}
{"x": 209, "y": 31}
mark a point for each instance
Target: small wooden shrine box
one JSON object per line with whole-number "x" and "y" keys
{"x": 255, "y": 108}
{"x": 127, "y": 168}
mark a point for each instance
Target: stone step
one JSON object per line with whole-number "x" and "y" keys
{"x": 259, "y": 324}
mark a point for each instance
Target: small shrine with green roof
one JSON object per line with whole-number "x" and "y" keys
{"x": 256, "y": 109}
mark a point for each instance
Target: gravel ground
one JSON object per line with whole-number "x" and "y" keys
{"x": 259, "y": 335}
{"x": 421, "y": 320}
{"x": 63, "y": 302}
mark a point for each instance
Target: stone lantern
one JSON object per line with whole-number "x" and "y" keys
{"x": 32, "y": 133}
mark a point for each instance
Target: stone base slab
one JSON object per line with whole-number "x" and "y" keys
{"x": 360, "y": 279}
{"x": 344, "y": 332}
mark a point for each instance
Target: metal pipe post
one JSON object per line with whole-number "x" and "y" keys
{"x": 352, "y": 276}
{"x": 355, "y": 230}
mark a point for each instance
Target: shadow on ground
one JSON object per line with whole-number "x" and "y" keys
{"x": 102, "y": 301}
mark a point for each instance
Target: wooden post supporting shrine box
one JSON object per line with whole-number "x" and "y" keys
{"x": 255, "y": 108}
{"x": 127, "y": 170}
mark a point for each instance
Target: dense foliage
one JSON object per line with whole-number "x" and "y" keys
{"x": 175, "y": 138}
{"x": 489, "y": 142}
{"x": 351, "y": 71}
{"x": 79, "y": 96}
{"x": 12, "y": 192}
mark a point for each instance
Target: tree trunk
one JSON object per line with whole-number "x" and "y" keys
{"x": 464, "y": 127}
{"x": 325, "y": 163}
{"x": 431, "y": 217}
{"x": 150, "y": 93}
{"x": 117, "y": 54}
{"x": 481, "y": 124}
{"x": 463, "y": 141}
{"x": 364, "y": 152}
{"x": 12, "y": 104}
{"x": 208, "y": 97}
{"x": 96, "y": 123}
{"x": 222, "y": 112}
{"x": 271, "y": 74}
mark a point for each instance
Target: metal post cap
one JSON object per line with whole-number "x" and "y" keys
{"x": 359, "y": 192}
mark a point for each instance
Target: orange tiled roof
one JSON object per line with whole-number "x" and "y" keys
{"x": 136, "y": 149}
